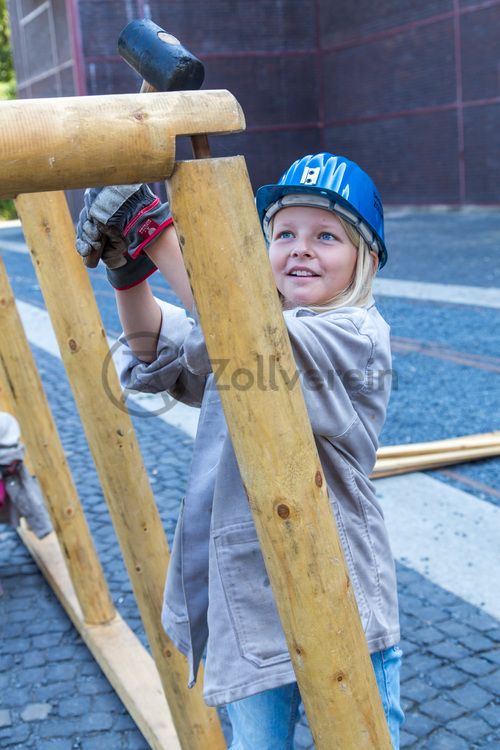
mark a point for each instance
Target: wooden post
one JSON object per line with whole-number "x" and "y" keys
{"x": 214, "y": 213}
{"x": 48, "y": 461}
{"x": 135, "y": 678}
{"x": 7, "y": 404}
{"x": 69, "y": 298}
{"x": 6, "y": 400}
{"x": 77, "y": 142}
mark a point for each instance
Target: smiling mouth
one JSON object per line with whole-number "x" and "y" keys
{"x": 303, "y": 274}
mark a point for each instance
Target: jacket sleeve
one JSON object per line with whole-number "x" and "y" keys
{"x": 181, "y": 366}
{"x": 333, "y": 358}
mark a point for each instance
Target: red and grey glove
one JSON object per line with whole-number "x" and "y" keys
{"x": 119, "y": 222}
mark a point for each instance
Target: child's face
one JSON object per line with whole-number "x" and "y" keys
{"x": 311, "y": 255}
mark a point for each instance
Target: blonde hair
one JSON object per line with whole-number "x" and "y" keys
{"x": 359, "y": 289}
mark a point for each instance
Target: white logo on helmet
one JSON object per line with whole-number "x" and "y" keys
{"x": 310, "y": 176}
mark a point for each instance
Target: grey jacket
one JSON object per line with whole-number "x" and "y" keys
{"x": 217, "y": 593}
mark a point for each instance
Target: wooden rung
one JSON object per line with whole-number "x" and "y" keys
{"x": 121, "y": 656}
{"x": 78, "y": 142}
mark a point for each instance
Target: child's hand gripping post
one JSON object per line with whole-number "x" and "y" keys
{"x": 122, "y": 224}
{"x": 116, "y": 224}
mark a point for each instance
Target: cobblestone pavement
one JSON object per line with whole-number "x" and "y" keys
{"x": 53, "y": 696}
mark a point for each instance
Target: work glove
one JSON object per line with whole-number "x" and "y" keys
{"x": 116, "y": 224}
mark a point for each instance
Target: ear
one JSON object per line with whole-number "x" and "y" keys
{"x": 374, "y": 260}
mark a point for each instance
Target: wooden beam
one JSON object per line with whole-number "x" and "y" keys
{"x": 6, "y": 400}
{"x": 463, "y": 443}
{"x": 48, "y": 460}
{"x": 78, "y": 327}
{"x": 121, "y": 656}
{"x": 242, "y": 320}
{"x": 77, "y": 142}
{"x": 7, "y": 404}
{"x": 401, "y": 459}
{"x": 390, "y": 466}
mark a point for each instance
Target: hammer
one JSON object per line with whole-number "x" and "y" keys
{"x": 165, "y": 65}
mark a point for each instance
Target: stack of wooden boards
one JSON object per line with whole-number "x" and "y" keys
{"x": 400, "y": 459}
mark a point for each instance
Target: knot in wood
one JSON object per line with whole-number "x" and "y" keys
{"x": 318, "y": 479}
{"x": 73, "y": 345}
{"x": 283, "y": 510}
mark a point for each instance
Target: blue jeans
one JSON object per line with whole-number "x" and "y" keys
{"x": 266, "y": 721}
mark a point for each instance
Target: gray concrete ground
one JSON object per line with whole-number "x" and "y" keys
{"x": 53, "y": 695}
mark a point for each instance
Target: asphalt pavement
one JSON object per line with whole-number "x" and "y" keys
{"x": 443, "y": 524}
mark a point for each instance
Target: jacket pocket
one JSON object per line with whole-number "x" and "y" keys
{"x": 174, "y": 599}
{"x": 359, "y": 592}
{"x": 249, "y": 596}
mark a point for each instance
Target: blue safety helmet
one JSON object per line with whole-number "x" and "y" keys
{"x": 334, "y": 183}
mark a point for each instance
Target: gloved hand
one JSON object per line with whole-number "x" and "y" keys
{"x": 118, "y": 223}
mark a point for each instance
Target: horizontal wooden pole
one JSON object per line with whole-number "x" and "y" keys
{"x": 464, "y": 442}
{"x": 117, "y": 650}
{"x": 77, "y": 142}
{"x": 405, "y": 464}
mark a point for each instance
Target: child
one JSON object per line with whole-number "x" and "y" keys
{"x": 323, "y": 223}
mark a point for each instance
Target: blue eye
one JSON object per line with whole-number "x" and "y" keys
{"x": 327, "y": 236}
{"x": 285, "y": 234}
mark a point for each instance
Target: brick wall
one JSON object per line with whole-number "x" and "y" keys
{"x": 415, "y": 95}
{"x": 410, "y": 90}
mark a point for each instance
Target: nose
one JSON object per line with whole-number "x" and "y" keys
{"x": 301, "y": 249}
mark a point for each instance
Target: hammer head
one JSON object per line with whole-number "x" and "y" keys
{"x": 159, "y": 57}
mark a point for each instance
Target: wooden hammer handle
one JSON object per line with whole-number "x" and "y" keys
{"x": 201, "y": 150}
{"x": 92, "y": 260}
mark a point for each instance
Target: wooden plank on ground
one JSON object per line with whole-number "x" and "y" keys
{"x": 462, "y": 443}
{"x": 389, "y": 467}
{"x": 121, "y": 656}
